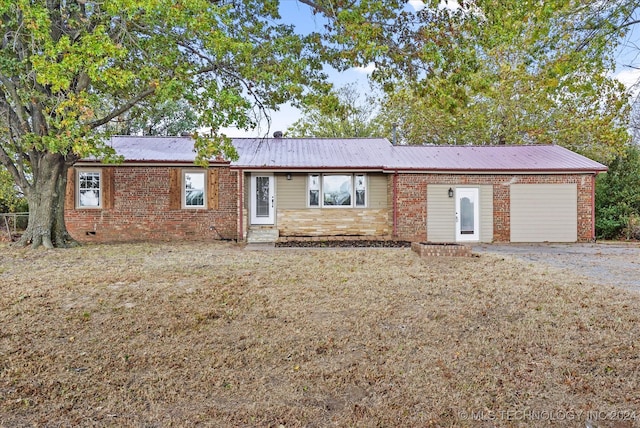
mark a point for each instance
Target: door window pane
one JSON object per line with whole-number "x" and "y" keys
{"x": 466, "y": 216}
{"x": 262, "y": 196}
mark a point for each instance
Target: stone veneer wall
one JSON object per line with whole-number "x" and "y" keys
{"x": 333, "y": 222}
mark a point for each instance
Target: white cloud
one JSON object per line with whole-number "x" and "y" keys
{"x": 630, "y": 78}
{"x": 370, "y": 68}
{"x": 417, "y": 5}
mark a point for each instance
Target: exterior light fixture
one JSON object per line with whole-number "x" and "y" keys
{"x": 288, "y": 176}
{"x": 450, "y": 192}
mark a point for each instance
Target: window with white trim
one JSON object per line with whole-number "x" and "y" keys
{"x": 337, "y": 190}
{"x": 89, "y": 189}
{"x": 194, "y": 194}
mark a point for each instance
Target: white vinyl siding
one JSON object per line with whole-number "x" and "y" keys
{"x": 544, "y": 213}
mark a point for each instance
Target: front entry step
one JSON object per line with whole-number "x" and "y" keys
{"x": 262, "y": 236}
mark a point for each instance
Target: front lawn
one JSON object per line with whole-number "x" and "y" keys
{"x": 213, "y": 335}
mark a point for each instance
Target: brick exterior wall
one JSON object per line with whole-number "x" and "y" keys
{"x": 412, "y": 200}
{"x": 137, "y": 206}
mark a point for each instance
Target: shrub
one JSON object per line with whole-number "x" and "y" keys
{"x": 618, "y": 198}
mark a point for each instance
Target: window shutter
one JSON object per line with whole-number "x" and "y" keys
{"x": 175, "y": 191}
{"x": 70, "y": 191}
{"x": 212, "y": 190}
{"x": 107, "y": 188}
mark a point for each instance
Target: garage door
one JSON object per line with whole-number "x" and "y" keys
{"x": 544, "y": 213}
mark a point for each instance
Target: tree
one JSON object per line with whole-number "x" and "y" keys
{"x": 489, "y": 71}
{"x": 10, "y": 198}
{"x": 618, "y": 197}
{"x": 70, "y": 68}
{"x": 167, "y": 118}
{"x": 344, "y": 115}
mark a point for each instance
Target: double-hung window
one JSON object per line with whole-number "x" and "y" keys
{"x": 194, "y": 195}
{"x": 89, "y": 189}
{"x": 337, "y": 190}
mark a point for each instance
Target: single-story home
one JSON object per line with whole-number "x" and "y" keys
{"x": 282, "y": 188}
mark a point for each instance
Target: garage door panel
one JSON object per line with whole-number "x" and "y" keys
{"x": 544, "y": 213}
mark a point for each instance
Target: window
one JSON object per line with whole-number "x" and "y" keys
{"x": 314, "y": 190}
{"x": 89, "y": 189}
{"x": 360, "y": 190}
{"x": 194, "y": 193}
{"x": 337, "y": 190}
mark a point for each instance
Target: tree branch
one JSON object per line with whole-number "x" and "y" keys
{"x": 20, "y": 110}
{"x": 123, "y": 108}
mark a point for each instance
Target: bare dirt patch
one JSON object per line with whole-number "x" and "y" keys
{"x": 211, "y": 335}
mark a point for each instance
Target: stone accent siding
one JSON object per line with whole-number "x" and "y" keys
{"x": 412, "y": 200}
{"x": 334, "y": 222}
{"x": 141, "y": 208}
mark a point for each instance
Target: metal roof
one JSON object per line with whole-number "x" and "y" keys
{"x": 491, "y": 158}
{"x": 362, "y": 153}
{"x": 293, "y": 153}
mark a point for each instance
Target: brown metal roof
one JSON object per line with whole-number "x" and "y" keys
{"x": 298, "y": 153}
{"x": 491, "y": 158}
{"x": 362, "y": 153}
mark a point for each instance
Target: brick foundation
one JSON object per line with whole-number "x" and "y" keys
{"x": 440, "y": 250}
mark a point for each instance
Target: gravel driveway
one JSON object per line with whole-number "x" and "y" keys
{"x": 615, "y": 264}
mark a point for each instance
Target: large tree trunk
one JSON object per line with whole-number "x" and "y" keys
{"x": 60, "y": 235}
{"x": 46, "y": 203}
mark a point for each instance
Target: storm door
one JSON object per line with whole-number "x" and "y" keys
{"x": 467, "y": 214}
{"x": 262, "y": 199}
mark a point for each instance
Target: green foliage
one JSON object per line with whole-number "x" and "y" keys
{"x": 344, "y": 114}
{"x": 11, "y": 200}
{"x": 489, "y": 71}
{"x": 618, "y": 197}
{"x": 148, "y": 118}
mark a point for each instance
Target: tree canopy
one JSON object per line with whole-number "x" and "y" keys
{"x": 489, "y": 71}
{"x": 69, "y": 68}
{"x": 344, "y": 114}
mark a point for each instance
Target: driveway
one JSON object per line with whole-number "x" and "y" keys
{"x": 615, "y": 264}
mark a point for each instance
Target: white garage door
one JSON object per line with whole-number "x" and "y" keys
{"x": 544, "y": 213}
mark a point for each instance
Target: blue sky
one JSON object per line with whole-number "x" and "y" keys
{"x": 627, "y": 69}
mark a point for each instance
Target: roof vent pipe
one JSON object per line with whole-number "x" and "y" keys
{"x": 277, "y": 134}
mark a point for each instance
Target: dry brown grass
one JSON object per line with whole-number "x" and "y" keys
{"x": 212, "y": 335}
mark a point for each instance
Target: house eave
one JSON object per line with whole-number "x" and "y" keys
{"x": 560, "y": 171}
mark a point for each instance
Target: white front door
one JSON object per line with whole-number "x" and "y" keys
{"x": 467, "y": 214}
{"x": 262, "y": 199}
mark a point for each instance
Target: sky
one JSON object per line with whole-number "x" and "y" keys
{"x": 627, "y": 67}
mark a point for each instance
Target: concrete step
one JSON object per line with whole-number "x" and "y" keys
{"x": 262, "y": 236}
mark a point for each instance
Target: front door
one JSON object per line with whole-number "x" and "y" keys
{"x": 262, "y": 199}
{"x": 467, "y": 214}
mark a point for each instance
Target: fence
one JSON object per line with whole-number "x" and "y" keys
{"x": 12, "y": 224}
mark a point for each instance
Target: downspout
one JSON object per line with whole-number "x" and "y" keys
{"x": 395, "y": 204}
{"x": 240, "y": 206}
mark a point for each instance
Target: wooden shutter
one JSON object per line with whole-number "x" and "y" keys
{"x": 175, "y": 191}
{"x": 70, "y": 191}
{"x": 212, "y": 191}
{"x": 107, "y": 188}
